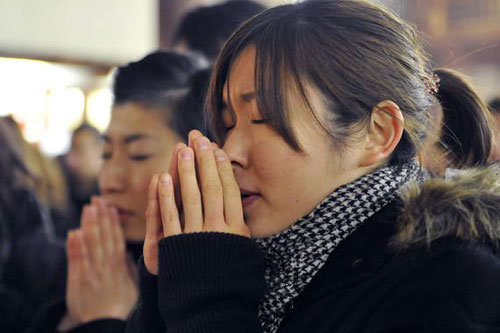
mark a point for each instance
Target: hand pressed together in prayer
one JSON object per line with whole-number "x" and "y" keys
{"x": 198, "y": 194}
{"x": 100, "y": 282}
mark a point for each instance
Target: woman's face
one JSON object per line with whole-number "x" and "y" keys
{"x": 278, "y": 184}
{"x": 137, "y": 144}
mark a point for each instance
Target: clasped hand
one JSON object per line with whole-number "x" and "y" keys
{"x": 198, "y": 194}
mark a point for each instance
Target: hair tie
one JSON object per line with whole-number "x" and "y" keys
{"x": 432, "y": 84}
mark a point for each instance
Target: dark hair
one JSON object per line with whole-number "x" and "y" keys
{"x": 156, "y": 82}
{"x": 189, "y": 113}
{"x": 466, "y": 135}
{"x": 86, "y": 127}
{"x": 205, "y": 29}
{"x": 355, "y": 53}
{"x": 494, "y": 105}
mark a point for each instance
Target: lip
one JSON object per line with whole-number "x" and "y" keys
{"x": 248, "y": 197}
{"x": 124, "y": 212}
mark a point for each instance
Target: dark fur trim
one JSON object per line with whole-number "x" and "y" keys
{"x": 466, "y": 206}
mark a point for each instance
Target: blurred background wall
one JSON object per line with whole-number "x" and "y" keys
{"x": 56, "y": 55}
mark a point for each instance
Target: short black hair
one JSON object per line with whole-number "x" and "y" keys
{"x": 156, "y": 81}
{"x": 190, "y": 106}
{"x": 205, "y": 29}
{"x": 494, "y": 105}
{"x": 150, "y": 79}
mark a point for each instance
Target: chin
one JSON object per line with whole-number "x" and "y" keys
{"x": 260, "y": 228}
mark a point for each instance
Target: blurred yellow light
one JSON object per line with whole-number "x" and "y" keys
{"x": 99, "y": 103}
{"x": 65, "y": 108}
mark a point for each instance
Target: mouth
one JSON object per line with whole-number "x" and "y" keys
{"x": 248, "y": 198}
{"x": 124, "y": 213}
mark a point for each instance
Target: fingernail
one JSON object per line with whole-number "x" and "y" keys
{"x": 179, "y": 146}
{"x": 219, "y": 155}
{"x": 92, "y": 211}
{"x": 187, "y": 154}
{"x": 203, "y": 143}
{"x": 194, "y": 135}
{"x": 165, "y": 179}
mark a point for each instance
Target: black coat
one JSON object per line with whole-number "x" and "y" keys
{"x": 32, "y": 262}
{"x": 423, "y": 264}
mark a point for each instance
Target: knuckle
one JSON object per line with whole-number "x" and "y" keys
{"x": 212, "y": 187}
{"x": 192, "y": 199}
{"x": 232, "y": 189}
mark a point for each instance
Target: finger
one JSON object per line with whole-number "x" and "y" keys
{"x": 211, "y": 187}
{"x": 84, "y": 218}
{"x": 190, "y": 193}
{"x": 73, "y": 269}
{"x": 92, "y": 238}
{"x": 71, "y": 252}
{"x": 168, "y": 209}
{"x": 85, "y": 270}
{"x": 174, "y": 173}
{"x": 105, "y": 231}
{"x": 117, "y": 234}
{"x": 233, "y": 208}
{"x": 192, "y": 137}
{"x": 153, "y": 218}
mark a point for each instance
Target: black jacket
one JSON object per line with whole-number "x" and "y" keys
{"x": 32, "y": 262}
{"x": 426, "y": 263}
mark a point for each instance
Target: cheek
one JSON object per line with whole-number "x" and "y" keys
{"x": 275, "y": 166}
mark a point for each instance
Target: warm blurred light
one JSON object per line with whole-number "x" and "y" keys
{"x": 43, "y": 98}
{"x": 99, "y": 103}
{"x": 65, "y": 107}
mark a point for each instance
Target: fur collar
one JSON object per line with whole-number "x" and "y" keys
{"x": 466, "y": 206}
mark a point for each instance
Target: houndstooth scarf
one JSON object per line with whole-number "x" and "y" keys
{"x": 294, "y": 256}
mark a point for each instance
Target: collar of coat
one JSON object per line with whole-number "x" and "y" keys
{"x": 466, "y": 206}
{"x": 430, "y": 216}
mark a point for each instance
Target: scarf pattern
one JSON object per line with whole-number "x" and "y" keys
{"x": 294, "y": 256}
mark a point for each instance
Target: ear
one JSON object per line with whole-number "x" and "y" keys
{"x": 384, "y": 133}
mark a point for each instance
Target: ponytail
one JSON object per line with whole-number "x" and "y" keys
{"x": 466, "y": 133}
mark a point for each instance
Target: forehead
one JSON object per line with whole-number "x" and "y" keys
{"x": 241, "y": 78}
{"x": 132, "y": 118}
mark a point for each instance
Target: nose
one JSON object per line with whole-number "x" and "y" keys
{"x": 72, "y": 160}
{"x": 237, "y": 147}
{"x": 112, "y": 177}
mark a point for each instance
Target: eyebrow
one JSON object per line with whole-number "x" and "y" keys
{"x": 130, "y": 138}
{"x": 248, "y": 96}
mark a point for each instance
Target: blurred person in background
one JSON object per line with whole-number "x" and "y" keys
{"x": 48, "y": 181}
{"x": 205, "y": 29}
{"x": 146, "y": 122}
{"x": 312, "y": 216}
{"x": 494, "y": 107}
{"x": 83, "y": 162}
{"x": 31, "y": 257}
{"x": 461, "y": 134}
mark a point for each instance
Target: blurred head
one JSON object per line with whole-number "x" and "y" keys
{"x": 494, "y": 107}
{"x": 342, "y": 95}
{"x": 142, "y": 132}
{"x": 205, "y": 29}
{"x": 13, "y": 171}
{"x": 84, "y": 156}
{"x": 461, "y": 131}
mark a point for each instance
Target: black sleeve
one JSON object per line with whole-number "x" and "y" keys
{"x": 210, "y": 282}
{"x": 101, "y": 325}
{"x": 146, "y": 316}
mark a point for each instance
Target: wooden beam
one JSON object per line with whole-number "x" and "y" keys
{"x": 97, "y": 68}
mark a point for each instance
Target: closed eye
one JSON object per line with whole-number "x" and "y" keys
{"x": 260, "y": 121}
